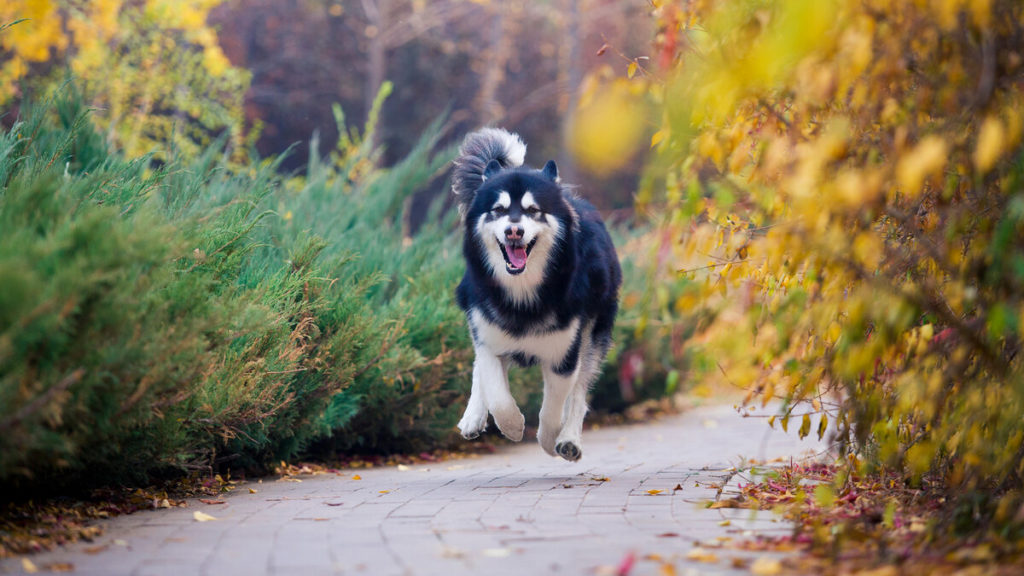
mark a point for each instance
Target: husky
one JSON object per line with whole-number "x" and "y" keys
{"x": 541, "y": 287}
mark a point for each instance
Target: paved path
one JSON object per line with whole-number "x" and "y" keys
{"x": 516, "y": 512}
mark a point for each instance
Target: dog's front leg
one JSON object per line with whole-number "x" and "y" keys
{"x": 490, "y": 375}
{"x": 474, "y": 419}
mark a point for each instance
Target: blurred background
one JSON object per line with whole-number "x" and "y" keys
{"x": 509, "y": 63}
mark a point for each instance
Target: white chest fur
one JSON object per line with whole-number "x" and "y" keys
{"x": 549, "y": 347}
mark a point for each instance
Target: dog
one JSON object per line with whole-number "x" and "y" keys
{"x": 541, "y": 287}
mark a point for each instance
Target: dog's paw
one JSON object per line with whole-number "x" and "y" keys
{"x": 511, "y": 422}
{"x": 546, "y": 436}
{"x": 569, "y": 450}
{"x": 472, "y": 424}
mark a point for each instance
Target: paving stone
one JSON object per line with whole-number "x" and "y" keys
{"x": 518, "y": 512}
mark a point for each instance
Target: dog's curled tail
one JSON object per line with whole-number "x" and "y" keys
{"x": 477, "y": 150}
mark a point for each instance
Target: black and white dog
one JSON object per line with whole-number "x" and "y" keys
{"x": 541, "y": 286}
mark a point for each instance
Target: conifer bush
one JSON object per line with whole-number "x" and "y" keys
{"x": 159, "y": 319}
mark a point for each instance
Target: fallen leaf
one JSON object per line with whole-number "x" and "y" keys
{"x": 727, "y": 503}
{"x": 677, "y": 488}
{"x": 212, "y": 502}
{"x": 626, "y": 565}
{"x": 28, "y": 566}
{"x": 202, "y": 516}
{"x": 667, "y": 569}
{"x": 334, "y": 503}
{"x": 653, "y": 492}
{"x": 668, "y": 535}
{"x": 253, "y": 490}
{"x": 600, "y": 478}
{"x": 765, "y": 566}
{"x": 725, "y": 523}
{"x": 59, "y": 567}
{"x": 403, "y": 468}
{"x": 357, "y": 477}
{"x": 701, "y": 555}
{"x": 383, "y": 491}
{"x": 95, "y": 549}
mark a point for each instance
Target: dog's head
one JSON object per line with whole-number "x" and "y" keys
{"x": 518, "y": 217}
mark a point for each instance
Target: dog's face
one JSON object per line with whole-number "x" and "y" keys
{"x": 518, "y": 217}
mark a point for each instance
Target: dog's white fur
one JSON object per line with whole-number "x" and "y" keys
{"x": 522, "y": 288}
{"x": 565, "y": 397}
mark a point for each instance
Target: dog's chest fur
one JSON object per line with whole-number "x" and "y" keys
{"x": 545, "y": 341}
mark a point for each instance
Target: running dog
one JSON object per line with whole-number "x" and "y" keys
{"x": 541, "y": 287}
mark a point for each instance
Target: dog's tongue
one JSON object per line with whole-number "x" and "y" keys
{"x": 517, "y": 256}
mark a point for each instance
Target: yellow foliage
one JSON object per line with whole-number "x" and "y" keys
{"x": 926, "y": 159}
{"x": 153, "y": 68}
{"x": 606, "y": 130}
{"x": 853, "y": 169}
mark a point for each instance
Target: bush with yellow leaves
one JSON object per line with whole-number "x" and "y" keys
{"x": 153, "y": 69}
{"x": 846, "y": 178}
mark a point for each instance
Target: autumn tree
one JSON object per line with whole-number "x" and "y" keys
{"x": 152, "y": 68}
{"x": 845, "y": 178}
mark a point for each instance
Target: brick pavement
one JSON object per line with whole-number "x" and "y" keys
{"x": 518, "y": 512}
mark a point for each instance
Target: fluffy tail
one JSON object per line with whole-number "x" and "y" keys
{"x": 477, "y": 150}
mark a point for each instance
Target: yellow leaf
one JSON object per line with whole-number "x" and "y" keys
{"x": 631, "y": 70}
{"x": 805, "y": 426}
{"x": 357, "y": 477}
{"x": 926, "y": 159}
{"x": 701, "y": 555}
{"x": 822, "y": 426}
{"x": 653, "y": 492}
{"x": 991, "y": 140}
{"x": 202, "y": 516}
{"x": 765, "y": 566}
{"x": 657, "y": 137}
{"x": 28, "y": 566}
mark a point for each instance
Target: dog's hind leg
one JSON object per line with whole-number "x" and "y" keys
{"x": 557, "y": 388}
{"x": 490, "y": 373}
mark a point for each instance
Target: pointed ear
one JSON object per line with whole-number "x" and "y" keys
{"x": 551, "y": 170}
{"x": 493, "y": 167}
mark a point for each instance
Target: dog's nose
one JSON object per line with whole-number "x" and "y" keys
{"x": 513, "y": 232}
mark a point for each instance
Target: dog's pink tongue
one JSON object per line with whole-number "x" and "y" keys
{"x": 517, "y": 256}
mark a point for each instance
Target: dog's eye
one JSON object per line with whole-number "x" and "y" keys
{"x": 499, "y": 210}
{"x": 533, "y": 210}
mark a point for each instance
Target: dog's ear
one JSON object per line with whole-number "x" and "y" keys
{"x": 493, "y": 167}
{"x": 551, "y": 170}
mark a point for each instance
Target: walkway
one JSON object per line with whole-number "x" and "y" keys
{"x": 637, "y": 493}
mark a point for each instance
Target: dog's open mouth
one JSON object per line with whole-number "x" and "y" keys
{"x": 515, "y": 254}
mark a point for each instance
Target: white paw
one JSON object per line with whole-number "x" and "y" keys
{"x": 473, "y": 422}
{"x": 546, "y": 436}
{"x": 510, "y": 421}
